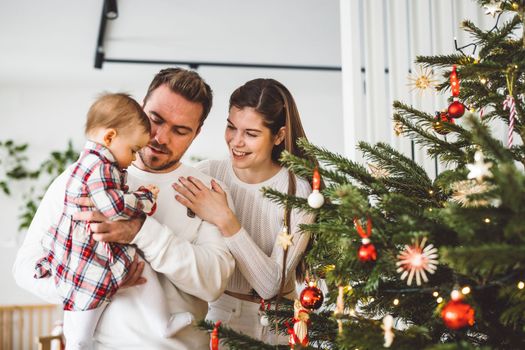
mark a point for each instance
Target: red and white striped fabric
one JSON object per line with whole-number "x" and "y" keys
{"x": 86, "y": 272}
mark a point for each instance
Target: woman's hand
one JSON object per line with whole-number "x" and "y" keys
{"x": 210, "y": 205}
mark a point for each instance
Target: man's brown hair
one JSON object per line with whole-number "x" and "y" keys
{"x": 118, "y": 111}
{"x": 188, "y": 84}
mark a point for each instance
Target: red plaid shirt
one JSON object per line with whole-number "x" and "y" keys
{"x": 84, "y": 274}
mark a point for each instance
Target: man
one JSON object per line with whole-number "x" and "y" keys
{"x": 190, "y": 256}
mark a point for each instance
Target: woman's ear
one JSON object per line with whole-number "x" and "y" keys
{"x": 109, "y": 136}
{"x": 281, "y": 134}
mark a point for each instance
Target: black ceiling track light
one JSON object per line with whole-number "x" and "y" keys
{"x": 110, "y": 11}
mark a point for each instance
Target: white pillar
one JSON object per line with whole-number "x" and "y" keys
{"x": 351, "y": 75}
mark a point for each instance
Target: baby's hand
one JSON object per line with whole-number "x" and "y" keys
{"x": 154, "y": 189}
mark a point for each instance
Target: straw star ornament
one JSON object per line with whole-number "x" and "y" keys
{"x": 479, "y": 169}
{"x": 284, "y": 239}
{"x": 422, "y": 80}
{"x": 415, "y": 260}
{"x": 492, "y": 8}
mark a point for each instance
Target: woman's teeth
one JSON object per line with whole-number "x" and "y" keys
{"x": 238, "y": 153}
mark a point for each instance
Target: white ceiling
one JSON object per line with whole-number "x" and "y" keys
{"x": 55, "y": 39}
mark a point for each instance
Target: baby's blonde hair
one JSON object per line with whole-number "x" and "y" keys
{"x": 118, "y": 111}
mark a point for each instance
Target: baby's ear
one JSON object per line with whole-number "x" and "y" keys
{"x": 109, "y": 136}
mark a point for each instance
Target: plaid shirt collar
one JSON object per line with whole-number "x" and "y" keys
{"x": 101, "y": 150}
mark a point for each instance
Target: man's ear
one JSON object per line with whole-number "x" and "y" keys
{"x": 281, "y": 134}
{"x": 198, "y": 131}
{"x": 109, "y": 136}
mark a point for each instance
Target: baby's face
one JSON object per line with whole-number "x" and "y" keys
{"x": 126, "y": 144}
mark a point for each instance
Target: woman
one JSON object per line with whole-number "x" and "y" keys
{"x": 263, "y": 121}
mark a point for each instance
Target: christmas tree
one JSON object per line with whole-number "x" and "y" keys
{"x": 412, "y": 262}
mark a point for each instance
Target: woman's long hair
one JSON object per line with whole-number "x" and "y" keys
{"x": 274, "y": 102}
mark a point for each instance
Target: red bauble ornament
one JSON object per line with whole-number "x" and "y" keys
{"x": 311, "y": 297}
{"x": 439, "y": 121}
{"x": 457, "y": 314}
{"x": 367, "y": 252}
{"x": 456, "y": 109}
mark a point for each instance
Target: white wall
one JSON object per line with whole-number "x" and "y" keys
{"x": 47, "y": 81}
{"x": 383, "y": 38}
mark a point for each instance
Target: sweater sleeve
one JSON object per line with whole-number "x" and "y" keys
{"x": 31, "y": 249}
{"x": 204, "y": 166}
{"x": 264, "y": 272}
{"x": 201, "y": 268}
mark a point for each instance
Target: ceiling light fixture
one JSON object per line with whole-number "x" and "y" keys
{"x": 111, "y": 11}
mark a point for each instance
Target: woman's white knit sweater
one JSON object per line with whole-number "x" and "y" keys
{"x": 258, "y": 255}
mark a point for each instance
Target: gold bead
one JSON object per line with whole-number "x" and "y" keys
{"x": 455, "y": 295}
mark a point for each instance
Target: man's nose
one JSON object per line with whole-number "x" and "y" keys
{"x": 160, "y": 134}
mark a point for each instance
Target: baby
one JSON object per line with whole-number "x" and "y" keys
{"x": 88, "y": 273}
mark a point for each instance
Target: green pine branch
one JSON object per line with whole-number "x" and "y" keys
{"x": 239, "y": 341}
{"x": 483, "y": 259}
{"x": 493, "y": 40}
{"x": 416, "y": 124}
{"x": 444, "y": 61}
{"x": 481, "y": 136}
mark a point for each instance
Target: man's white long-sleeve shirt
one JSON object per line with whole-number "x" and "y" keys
{"x": 190, "y": 256}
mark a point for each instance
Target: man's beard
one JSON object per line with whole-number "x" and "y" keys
{"x": 150, "y": 162}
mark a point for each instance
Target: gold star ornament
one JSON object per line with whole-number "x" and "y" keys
{"x": 398, "y": 128}
{"x": 284, "y": 239}
{"x": 422, "y": 80}
{"x": 463, "y": 190}
{"x": 492, "y": 8}
{"x": 378, "y": 172}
